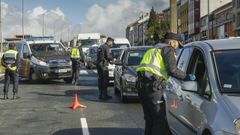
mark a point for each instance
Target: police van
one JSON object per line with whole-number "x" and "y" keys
{"x": 43, "y": 60}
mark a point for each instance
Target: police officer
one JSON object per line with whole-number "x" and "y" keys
{"x": 104, "y": 57}
{"x": 153, "y": 72}
{"x": 77, "y": 57}
{"x": 10, "y": 61}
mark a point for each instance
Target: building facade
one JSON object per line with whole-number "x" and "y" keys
{"x": 194, "y": 20}
{"x": 184, "y": 19}
{"x": 236, "y": 14}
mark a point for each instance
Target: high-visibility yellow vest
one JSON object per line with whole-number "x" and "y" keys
{"x": 75, "y": 53}
{"x": 10, "y": 57}
{"x": 153, "y": 62}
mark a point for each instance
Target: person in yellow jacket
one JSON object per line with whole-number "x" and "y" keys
{"x": 157, "y": 64}
{"x": 77, "y": 57}
{"x": 10, "y": 61}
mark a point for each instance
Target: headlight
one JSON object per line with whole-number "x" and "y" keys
{"x": 41, "y": 63}
{"x": 237, "y": 125}
{"x": 130, "y": 78}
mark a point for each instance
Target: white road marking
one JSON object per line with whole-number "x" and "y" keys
{"x": 85, "y": 130}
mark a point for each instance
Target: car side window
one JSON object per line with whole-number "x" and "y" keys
{"x": 25, "y": 49}
{"x": 184, "y": 58}
{"x": 197, "y": 66}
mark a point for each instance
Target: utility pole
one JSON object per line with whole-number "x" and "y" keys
{"x": 1, "y": 33}
{"x": 143, "y": 29}
{"x": 23, "y": 19}
{"x": 173, "y": 10}
{"x": 208, "y": 9}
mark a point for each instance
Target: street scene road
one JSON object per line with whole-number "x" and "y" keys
{"x": 45, "y": 109}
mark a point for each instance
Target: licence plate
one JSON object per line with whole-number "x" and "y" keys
{"x": 63, "y": 70}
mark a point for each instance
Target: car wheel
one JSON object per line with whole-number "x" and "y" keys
{"x": 123, "y": 98}
{"x": 68, "y": 80}
{"x": 116, "y": 90}
{"x": 32, "y": 76}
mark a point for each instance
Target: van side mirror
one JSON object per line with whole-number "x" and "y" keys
{"x": 191, "y": 86}
{"x": 26, "y": 55}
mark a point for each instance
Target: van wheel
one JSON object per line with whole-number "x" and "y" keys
{"x": 32, "y": 76}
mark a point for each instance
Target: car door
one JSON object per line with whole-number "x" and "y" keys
{"x": 25, "y": 62}
{"x": 192, "y": 115}
{"x": 173, "y": 103}
{"x": 119, "y": 70}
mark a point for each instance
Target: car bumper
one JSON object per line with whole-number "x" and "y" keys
{"x": 129, "y": 90}
{"x": 49, "y": 73}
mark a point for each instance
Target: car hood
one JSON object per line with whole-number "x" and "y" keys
{"x": 55, "y": 60}
{"x": 232, "y": 102}
{"x": 132, "y": 70}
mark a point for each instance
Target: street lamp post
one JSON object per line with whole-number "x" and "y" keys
{"x": 1, "y": 33}
{"x": 143, "y": 29}
{"x": 23, "y": 19}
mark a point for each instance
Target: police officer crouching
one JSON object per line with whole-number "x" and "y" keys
{"x": 77, "y": 57}
{"x": 157, "y": 64}
{"x": 104, "y": 57}
{"x": 10, "y": 61}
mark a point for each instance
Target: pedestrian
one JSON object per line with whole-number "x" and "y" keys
{"x": 10, "y": 61}
{"x": 157, "y": 64}
{"x": 77, "y": 57}
{"x": 104, "y": 57}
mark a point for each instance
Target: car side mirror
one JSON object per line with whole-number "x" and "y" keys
{"x": 191, "y": 86}
{"x": 26, "y": 55}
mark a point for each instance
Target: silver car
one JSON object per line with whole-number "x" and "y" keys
{"x": 211, "y": 104}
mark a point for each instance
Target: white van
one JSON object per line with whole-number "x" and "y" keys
{"x": 121, "y": 43}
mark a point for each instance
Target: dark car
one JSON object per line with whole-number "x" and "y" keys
{"x": 43, "y": 60}
{"x": 91, "y": 57}
{"x": 125, "y": 72}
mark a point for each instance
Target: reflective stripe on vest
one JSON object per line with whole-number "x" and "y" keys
{"x": 154, "y": 63}
{"x": 10, "y": 57}
{"x": 75, "y": 53}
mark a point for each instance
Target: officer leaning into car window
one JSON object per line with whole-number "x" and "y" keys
{"x": 10, "y": 61}
{"x": 153, "y": 72}
{"x": 77, "y": 57}
{"x": 104, "y": 57}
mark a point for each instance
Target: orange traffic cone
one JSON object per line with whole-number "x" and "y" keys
{"x": 174, "y": 104}
{"x": 76, "y": 104}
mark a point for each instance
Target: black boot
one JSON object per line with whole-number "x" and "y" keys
{"x": 5, "y": 96}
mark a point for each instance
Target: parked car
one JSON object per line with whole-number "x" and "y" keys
{"x": 209, "y": 105}
{"x": 91, "y": 57}
{"x": 121, "y": 43}
{"x": 43, "y": 60}
{"x": 125, "y": 72}
{"x": 116, "y": 53}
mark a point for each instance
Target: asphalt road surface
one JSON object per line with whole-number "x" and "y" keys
{"x": 43, "y": 109}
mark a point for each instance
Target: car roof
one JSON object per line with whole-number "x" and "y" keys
{"x": 222, "y": 44}
{"x": 116, "y": 49}
{"x": 139, "y": 47}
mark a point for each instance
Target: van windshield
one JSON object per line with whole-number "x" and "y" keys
{"x": 228, "y": 68}
{"x": 89, "y": 42}
{"x": 47, "y": 49}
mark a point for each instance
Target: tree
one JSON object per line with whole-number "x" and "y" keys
{"x": 156, "y": 28}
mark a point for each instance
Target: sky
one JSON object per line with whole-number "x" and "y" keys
{"x": 67, "y": 18}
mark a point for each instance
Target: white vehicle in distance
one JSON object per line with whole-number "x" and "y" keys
{"x": 121, "y": 43}
{"x": 88, "y": 40}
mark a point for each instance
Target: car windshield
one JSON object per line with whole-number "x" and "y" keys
{"x": 228, "y": 68}
{"x": 134, "y": 57}
{"x": 120, "y": 46}
{"x": 47, "y": 49}
{"x": 87, "y": 43}
{"x": 116, "y": 53}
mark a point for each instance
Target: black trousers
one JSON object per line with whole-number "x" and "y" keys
{"x": 103, "y": 80}
{"x": 150, "y": 99}
{"x": 75, "y": 70}
{"x": 11, "y": 75}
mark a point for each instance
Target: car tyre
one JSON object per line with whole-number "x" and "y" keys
{"x": 68, "y": 80}
{"x": 124, "y": 99}
{"x": 32, "y": 76}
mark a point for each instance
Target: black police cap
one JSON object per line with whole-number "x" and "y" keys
{"x": 174, "y": 36}
{"x": 110, "y": 39}
{"x": 11, "y": 45}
